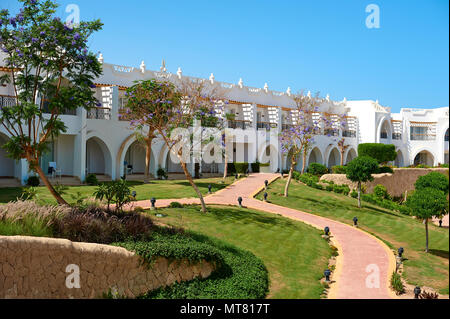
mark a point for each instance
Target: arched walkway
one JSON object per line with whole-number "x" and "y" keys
{"x": 98, "y": 157}
{"x": 333, "y": 158}
{"x": 351, "y": 155}
{"x": 424, "y": 157}
{"x": 269, "y": 154}
{"x": 399, "y": 160}
{"x": 315, "y": 156}
{"x": 135, "y": 158}
{"x": 7, "y": 165}
{"x": 384, "y": 131}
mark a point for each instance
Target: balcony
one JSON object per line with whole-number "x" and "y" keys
{"x": 331, "y": 132}
{"x": 348, "y": 133}
{"x": 396, "y": 136}
{"x": 266, "y": 126}
{"x": 422, "y": 137}
{"x": 7, "y": 100}
{"x": 46, "y": 109}
{"x": 285, "y": 127}
{"x": 99, "y": 113}
{"x": 239, "y": 124}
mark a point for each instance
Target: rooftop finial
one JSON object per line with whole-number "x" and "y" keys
{"x": 142, "y": 66}
{"x": 266, "y": 87}
{"x": 328, "y": 97}
{"x": 344, "y": 100}
{"x": 179, "y": 73}
{"x": 163, "y": 66}
{"x": 211, "y": 78}
{"x": 100, "y": 58}
{"x": 288, "y": 91}
{"x": 309, "y": 94}
{"x": 241, "y": 83}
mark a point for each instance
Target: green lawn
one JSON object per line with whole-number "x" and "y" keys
{"x": 294, "y": 253}
{"x": 159, "y": 189}
{"x": 397, "y": 230}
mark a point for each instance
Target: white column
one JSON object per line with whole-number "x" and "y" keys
{"x": 115, "y": 103}
{"x": 79, "y": 162}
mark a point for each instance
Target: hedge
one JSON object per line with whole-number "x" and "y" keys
{"x": 241, "y": 168}
{"x": 338, "y": 169}
{"x": 317, "y": 169}
{"x": 240, "y": 275}
{"x": 255, "y": 167}
{"x": 381, "y": 152}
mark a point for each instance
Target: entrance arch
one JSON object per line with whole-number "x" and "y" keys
{"x": 7, "y": 165}
{"x": 315, "y": 156}
{"x": 351, "y": 155}
{"x": 399, "y": 160}
{"x": 333, "y": 158}
{"x": 424, "y": 157}
{"x": 98, "y": 157}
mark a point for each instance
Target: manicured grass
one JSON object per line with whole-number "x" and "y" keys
{"x": 294, "y": 253}
{"x": 159, "y": 189}
{"x": 397, "y": 230}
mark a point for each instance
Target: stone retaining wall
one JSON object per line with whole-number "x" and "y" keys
{"x": 32, "y": 267}
{"x": 396, "y": 184}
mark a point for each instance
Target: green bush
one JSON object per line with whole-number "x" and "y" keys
{"x": 385, "y": 169}
{"x": 33, "y": 181}
{"x": 422, "y": 166}
{"x": 317, "y": 186}
{"x": 117, "y": 192}
{"x": 381, "y": 192}
{"x": 264, "y": 164}
{"x": 354, "y": 194}
{"x": 381, "y": 152}
{"x": 296, "y": 175}
{"x": 231, "y": 169}
{"x": 161, "y": 173}
{"x": 338, "y": 169}
{"x": 329, "y": 188}
{"x": 444, "y": 165}
{"x": 176, "y": 205}
{"x": 241, "y": 168}
{"x": 434, "y": 180}
{"x": 385, "y": 203}
{"x": 255, "y": 167}
{"x": 397, "y": 284}
{"x": 338, "y": 189}
{"x": 91, "y": 180}
{"x": 317, "y": 169}
{"x": 240, "y": 274}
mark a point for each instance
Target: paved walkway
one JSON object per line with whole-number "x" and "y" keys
{"x": 364, "y": 264}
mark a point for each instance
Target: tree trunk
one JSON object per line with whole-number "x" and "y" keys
{"x": 148, "y": 154}
{"x": 288, "y": 182}
{"x": 303, "y": 162}
{"x": 359, "y": 194}
{"x": 191, "y": 181}
{"x": 426, "y": 235}
{"x": 225, "y": 168}
{"x": 342, "y": 157}
{"x": 47, "y": 183}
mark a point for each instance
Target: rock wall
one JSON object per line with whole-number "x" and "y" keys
{"x": 396, "y": 184}
{"x": 32, "y": 267}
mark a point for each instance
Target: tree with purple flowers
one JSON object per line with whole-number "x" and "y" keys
{"x": 51, "y": 71}
{"x": 146, "y": 100}
{"x": 298, "y": 138}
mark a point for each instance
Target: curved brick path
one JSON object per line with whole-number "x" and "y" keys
{"x": 359, "y": 253}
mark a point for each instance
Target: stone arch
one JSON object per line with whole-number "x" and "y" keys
{"x": 98, "y": 156}
{"x": 269, "y": 152}
{"x": 334, "y": 158}
{"x": 136, "y": 158}
{"x": 351, "y": 154}
{"x": 7, "y": 164}
{"x": 384, "y": 130}
{"x": 400, "y": 159}
{"x": 424, "y": 156}
{"x": 315, "y": 156}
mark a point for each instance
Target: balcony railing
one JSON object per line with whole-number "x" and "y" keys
{"x": 266, "y": 125}
{"x": 99, "y": 113}
{"x": 423, "y": 137}
{"x": 286, "y": 126}
{"x": 331, "y": 132}
{"x": 46, "y": 109}
{"x": 239, "y": 124}
{"x": 396, "y": 136}
{"x": 348, "y": 133}
{"x": 7, "y": 100}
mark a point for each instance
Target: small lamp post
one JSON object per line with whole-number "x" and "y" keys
{"x": 240, "y": 201}
{"x": 440, "y": 222}
{"x": 266, "y": 183}
{"x": 327, "y": 231}
{"x": 355, "y": 221}
{"x": 417, "y": 292}
{"x": 133, "y": 193}
{"x": 327, "y": 274}
{"x": 209, "y": 188}
{"x": 265, "y": 197}
{"x": 153, "y": 201}
{"x": 400, "y": 252}
{"x": 236, "y": 176}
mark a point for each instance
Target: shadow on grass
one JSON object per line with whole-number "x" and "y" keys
{"x": 439, "y": 253}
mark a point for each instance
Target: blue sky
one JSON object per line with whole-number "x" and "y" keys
{"x": 314, "y": 45}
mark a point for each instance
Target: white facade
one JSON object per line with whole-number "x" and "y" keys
{"x": 99, "y": 142}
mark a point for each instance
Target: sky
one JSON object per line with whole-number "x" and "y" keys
{"x": 323, "y": 45}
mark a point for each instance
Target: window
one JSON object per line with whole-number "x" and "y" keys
{"x": 446, "y": 137}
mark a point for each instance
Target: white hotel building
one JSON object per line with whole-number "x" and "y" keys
{"x": 98, "y": 142}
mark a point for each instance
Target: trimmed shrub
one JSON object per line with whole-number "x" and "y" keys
{"x": 381, "y": 152}
{"x": 338, "y": 169}
{"x": 91, "y": 180}
{"x": 161, "y": 173}
{"x": 422, "y": 166}
{"x": 329, "y": 188}
{"x": 354, "y": 194}
{"x": 317, "y": 169}
{"x": 255, "y": 167}
{"x": 231, "y": 169}
{"x": 434, "y": 180}
{"x": 33, "y": 181}
{"x": 317, "y": 186}
{"x": 444, "y": 165}
{"x": 380, "y": 191}
{"x": 385, "y": 169}
{"x": 338, "y": 189}
{"x": 296, "y": 175}
{"x": 397, "y": 284}
{"x": 241, "y": 168}
{"x": 176, "y": 205}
